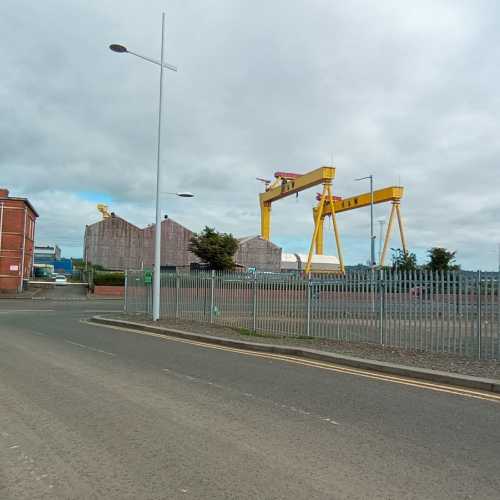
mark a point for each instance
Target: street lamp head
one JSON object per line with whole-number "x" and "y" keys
{"x": 115, "y": 47}
{"x": 182, "y": 194}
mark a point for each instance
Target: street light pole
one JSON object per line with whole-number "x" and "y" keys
{"x": 157, "y": 254}
{"x": 372, "y": 235}
{"x": 157, "y": 248}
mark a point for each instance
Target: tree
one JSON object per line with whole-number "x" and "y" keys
{"x": 215, "y": 249}
{"x": 441, "y": 259}
{"x": 403, "y": 261}
{"x": 78, "y": 263}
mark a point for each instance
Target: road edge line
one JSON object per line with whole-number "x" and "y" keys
{"x": 484, "y": 384}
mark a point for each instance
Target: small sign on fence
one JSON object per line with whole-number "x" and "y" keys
{"x": 148, "y": 277}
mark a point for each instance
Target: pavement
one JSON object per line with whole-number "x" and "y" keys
{"x": 95, "y": 412}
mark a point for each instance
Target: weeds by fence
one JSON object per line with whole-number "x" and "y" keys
{"x": 451, "y": 312}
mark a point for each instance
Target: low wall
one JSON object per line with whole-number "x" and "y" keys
{"x": 109, "y": 291}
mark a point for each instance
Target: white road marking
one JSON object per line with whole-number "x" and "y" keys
{"x": 332, "y": 367}
{"x": 102, "y": 311}
{"x": 249, "y": 395}
{"x": 89, "y": 348}
{"x": 26, "y": 311}
{"x": 40, "y": 334}
{"x": 13, "y": 447}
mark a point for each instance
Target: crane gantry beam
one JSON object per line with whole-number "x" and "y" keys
{"x": 392, "y": 194}
{"x": 289, "y": 187}
{"x": 287, "y": 184}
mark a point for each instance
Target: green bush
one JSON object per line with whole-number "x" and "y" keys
{"x": 109, "y": 278}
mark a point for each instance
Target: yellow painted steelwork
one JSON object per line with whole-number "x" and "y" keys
{"x": 326, "y": 196}
{"x": 104, "y": 210}
{"x": 287, "y": 188}
{"x": 392, "y": 194}
{"x": 283, "y": 187}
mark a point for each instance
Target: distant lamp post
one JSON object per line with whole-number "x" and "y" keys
{"x": 121, "y": 49}
{"x": 372, "y": 235}
{"x": 381, "y": 223}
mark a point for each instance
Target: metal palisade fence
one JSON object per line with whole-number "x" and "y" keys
{"x": 453, "y": 312}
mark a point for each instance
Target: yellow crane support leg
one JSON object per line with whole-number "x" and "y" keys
{"x": 318, "y": 229}
{"x": 265, "y": 220}
{"x": 317, "y": 222}
{"x": 395, "y": 211}
{"x": 388, "y": 234}
{"x": 401, "y": 228}
{"x": 320, "y": 238}
{"x": 336, "y": 231}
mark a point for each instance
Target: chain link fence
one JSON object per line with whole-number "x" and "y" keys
{"x": 452, "y": 312}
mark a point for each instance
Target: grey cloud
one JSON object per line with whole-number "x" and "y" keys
{"x": 402, "y": 89}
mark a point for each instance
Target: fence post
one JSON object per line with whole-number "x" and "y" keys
{"x": 125, "y": 292}
{"x": 381, "y": 306}
{"x": 176, "y": 296}
{"x": 254, "y": 302}
{"x": 308, "y": 324}
{"x": 212, "y": 282}
{"x": 479, "y": 315}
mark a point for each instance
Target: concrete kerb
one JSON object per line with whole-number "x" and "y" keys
{"x": 483, "y": 384}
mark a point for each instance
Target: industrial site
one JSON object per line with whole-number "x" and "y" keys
{"x": 117, "y": 244}
{"x": 249, "y": 250}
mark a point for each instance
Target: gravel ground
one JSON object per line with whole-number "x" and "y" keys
{"x": 443, "y": 362}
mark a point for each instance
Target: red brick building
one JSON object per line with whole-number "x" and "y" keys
{"x": 17, "y": 235}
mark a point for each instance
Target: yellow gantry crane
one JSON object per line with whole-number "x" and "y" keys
{"x": 287, "y": 184}
{"x": 392, "y": 194}
{"x": 104, "y": 210}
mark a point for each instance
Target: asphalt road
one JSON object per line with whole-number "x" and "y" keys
{"x": 91, "y": 412}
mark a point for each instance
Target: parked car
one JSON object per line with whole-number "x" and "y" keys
{"x": 61, "y": 279}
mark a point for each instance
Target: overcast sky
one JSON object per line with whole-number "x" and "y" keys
{"x": 405, "y": 90}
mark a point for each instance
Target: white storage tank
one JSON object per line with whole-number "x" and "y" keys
{"x": 319, "y": 263}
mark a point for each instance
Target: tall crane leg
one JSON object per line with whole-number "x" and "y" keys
{"x": 320, "y": 237}
{"x": 401, "y": 228}
{"x": 336, "y": 231}
{"x": 388, "y": 234}
{"x": 265, "y": 220}
{"x": 317, "y": 222}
